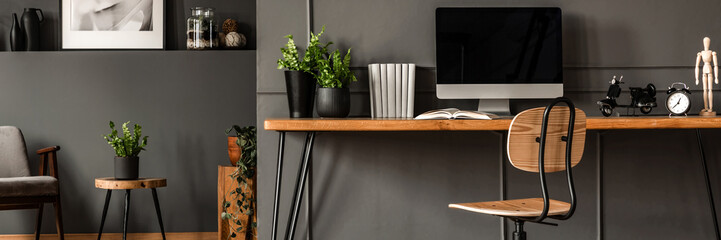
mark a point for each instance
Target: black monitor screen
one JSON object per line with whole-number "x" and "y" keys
{"x": 498, "y": 45}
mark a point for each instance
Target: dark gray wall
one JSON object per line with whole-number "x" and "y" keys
{"x": 176, "y": 12}
{"x": 183, "y": 99}
{"x": 398, "y": 185}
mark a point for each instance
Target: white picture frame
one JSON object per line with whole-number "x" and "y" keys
{"x": 73, "y": 37}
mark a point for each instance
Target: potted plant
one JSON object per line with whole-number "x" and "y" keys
{"x": 240, "y": 210}
{"x": 127, "y": 148}
{"x": 299, "y": 82}
{"x": 333, "y": 77}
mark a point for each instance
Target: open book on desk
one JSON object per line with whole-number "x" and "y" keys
{"x": 455, "y": 113}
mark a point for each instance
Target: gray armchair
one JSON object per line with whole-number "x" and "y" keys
{"x": 20, "y": 190}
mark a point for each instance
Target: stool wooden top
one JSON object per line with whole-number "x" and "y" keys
{"x": 112, "y": 183}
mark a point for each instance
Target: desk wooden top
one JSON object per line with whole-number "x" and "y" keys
{"x": 112, "y": 183}
{"x": 407, "y": 124}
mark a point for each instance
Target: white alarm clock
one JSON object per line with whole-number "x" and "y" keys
{"x": 679, "y": 100}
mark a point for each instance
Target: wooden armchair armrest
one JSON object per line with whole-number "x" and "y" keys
{"x": 48, "y": 149}
{"x": 48, "y": 156}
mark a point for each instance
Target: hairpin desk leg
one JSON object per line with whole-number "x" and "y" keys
{"x": 299, "y": 186}
{"x": 502, "y": 177}
{"x": 278, "y": 178}
{"x": 708, "y": 184}
{"x": 599, "y": 182}
{"x": 309, "y": 200}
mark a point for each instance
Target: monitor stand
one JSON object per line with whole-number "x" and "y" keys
{"x": 499, "y": 107}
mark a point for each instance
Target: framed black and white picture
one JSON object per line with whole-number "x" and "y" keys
{"x": 112, "y": 24}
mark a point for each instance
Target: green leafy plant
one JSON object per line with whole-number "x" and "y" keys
{"x": 290, "y": 60}
{"x": 309, "y": 63}
{"x": 334, "y": 71}
{"x": 243, "y": 197}
{"x": 128, "y": 145}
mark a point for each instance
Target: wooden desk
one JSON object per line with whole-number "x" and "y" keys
{"x": 405, "y": 124}
{"x": 312, "y": 125}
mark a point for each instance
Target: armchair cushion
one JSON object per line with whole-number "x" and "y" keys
{"x": 13, "y": 154}
{"x": 28, "y": 186}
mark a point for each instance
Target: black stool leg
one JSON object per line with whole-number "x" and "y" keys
{"x": 105, "y": 212}
{"x": 157, "y": 211}
{"x": 125, "y": 216}
{"x": 519, "y": 234}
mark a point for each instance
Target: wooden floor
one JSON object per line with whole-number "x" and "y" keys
{"x": 117, "y": 236}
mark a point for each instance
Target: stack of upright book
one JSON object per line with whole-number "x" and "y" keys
{"x": 392, "y": 87}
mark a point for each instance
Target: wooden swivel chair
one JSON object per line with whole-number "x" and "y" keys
{"x": 19, "y": 190}
{"x": 541, "y": 140}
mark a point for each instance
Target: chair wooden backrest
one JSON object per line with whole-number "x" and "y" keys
{"x": 525, "y": 133}
{"x": 539, "y": 141}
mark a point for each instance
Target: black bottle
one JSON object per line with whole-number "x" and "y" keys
{"x": 17, "y": 36}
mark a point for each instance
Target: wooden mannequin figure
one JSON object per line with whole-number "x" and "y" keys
{"x": 707, "y": 56}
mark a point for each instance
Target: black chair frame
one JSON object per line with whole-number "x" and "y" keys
{"x": 519, "y": 234}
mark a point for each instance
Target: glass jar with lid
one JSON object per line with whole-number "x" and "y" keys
{"x": 202, "y": 29}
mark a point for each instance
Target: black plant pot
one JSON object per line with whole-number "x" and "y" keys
{"x": 333, "y": 102}
{"x": 126, "y": 168}
{"x": 300, "y": 87}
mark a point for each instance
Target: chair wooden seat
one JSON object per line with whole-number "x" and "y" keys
{"x": 540, "y": 140}
{"x": 529, "y": 207}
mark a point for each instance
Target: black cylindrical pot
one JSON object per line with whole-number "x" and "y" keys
{"x": 333, "y": 102}
{"x": 300, "y": 87}
{"x": 126, "y": 168}
{"x": 31, "y": 19}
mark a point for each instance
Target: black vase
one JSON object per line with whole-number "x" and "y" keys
{"x": 17, "y": 37}
{"x": 300, "y": 87}
{"x": 333, "y": 102}
{"x": 31, "y": 25}
{"x": 126, "y": 168}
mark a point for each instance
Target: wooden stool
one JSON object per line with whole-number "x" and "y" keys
{"x": 111, "y": 184}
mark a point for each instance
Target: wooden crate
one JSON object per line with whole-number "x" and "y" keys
{"x": 225, "y": 184}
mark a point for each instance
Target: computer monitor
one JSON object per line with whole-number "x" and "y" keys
{"x": 497, "y": 54}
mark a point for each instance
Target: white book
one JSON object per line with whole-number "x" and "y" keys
{"x": 384, "y": 92}
{"x": 370, "y": 90}
{"x": 376, "y": 91}
{"x": 391, "y": 90}
{"x": 455, "y": 113}
{"x": 399, "y": 90}
{"x": 411, "y": 88}
{"x": 404, "y": 91}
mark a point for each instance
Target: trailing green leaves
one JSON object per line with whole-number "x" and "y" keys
{"x": 247, "y": 137}
{"x": 128, "y": 145}
{"x": 242, "y": 197}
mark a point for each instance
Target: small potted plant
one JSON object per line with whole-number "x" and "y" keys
{"x": 299, "y": 82}
{"x": 240, "y": 210}
{"x": 127, "y": 148}
{"x": 333, "y": 77}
